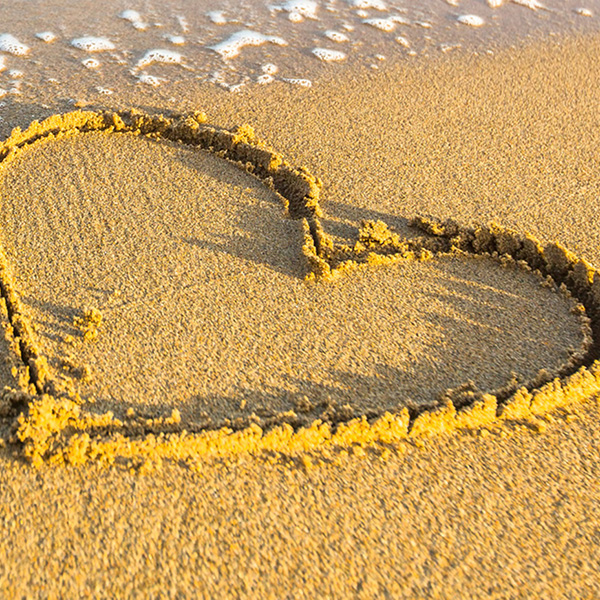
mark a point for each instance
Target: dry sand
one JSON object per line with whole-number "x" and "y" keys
{"x": 512, "y": 138}
{"x": 199, "y": 277}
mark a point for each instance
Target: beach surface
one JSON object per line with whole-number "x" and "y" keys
{"x": 198, "y": 274}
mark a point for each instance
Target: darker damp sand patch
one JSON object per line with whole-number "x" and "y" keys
{"x": 55, "y": 417}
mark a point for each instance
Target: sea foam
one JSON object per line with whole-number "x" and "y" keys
{"x": 9, "y": 43}
{"x": 232, "y": 46}
{"x": 327, "y": 55}
{"x": 92, "y": 44}
{"x": 46, "y": 36}
{"x": 298, "y": 10}
{"x": 134, "y": 17}
{"x": 365, "y": 4}
{"x": 471, "y": 20}
{"x": 160, "y": 56}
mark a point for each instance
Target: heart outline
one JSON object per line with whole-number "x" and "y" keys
{"x": 55, "y": 428}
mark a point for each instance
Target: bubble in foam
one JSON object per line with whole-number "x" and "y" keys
{"x": 265, "y": 79}
{"x": 160, "y": 56}
{"x": 217, "y": 17}
{"x": 92, "y": 44}
{"x": 298, "y": 10}
{"x": 532, "y": 4}
{"x": 150, "y": 79}
{"x": 584, "y": 12}
{"x": 269, "y": 69}
{"x": 327, "y": 55}
{"x": 134, "y": 17}
{"x": 3, "y": 92}
{"x": 403, "y": 41}
{"x": 471, "y": 20}
{"x": 445, "y": 47}
{"x": 388, "y": 24}
{"x": 9, "y": 43}
{"x": 495, "y": 3}
{"x": 336, "y": 36}
{"x": 366, "y": 4}
{"x": 232, "y": 46}
{"x": 131, "y": 15}
{"x": 90, "y": 63}
{"x": 46, "y": 36}
{"x": 2, "y": 63}
{"x": 176, "y": 40}
{"x": 383, "y": 24}
{"x": 296, "y": 81}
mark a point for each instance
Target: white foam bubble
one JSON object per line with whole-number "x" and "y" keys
{"x": 159, "y": 56}
{"x": 327, "y": 55}
{"x": 298, "y": 10}
{"x": 388, "y": 24}
{"x": 533, "y": 4}
{"x": 495, "y": 3}
{"x": 383, "y": 24}
{"x": 92, "y": 44}
{"x": 232, "y": 46}
{"x": 9, "y": 43}
{"x": 269, "y": 68}
{"x": 471, "y": 20}
{"x": 176, "y": 40}
{"x": 584, "y": 12}
{"x": 105, "y": 91}
{"x": 365, "y": 4}
{"x": 449, "y": 47}
{"x": 217, "y": 17}
{"x": 265, "y": 79}
{"x": 336, "y": 36}
{"x": 403, "y": 41}
{"x": 150, "y": 79}
{"x": 134, "y": 17}
{"x": 2, "y": 63}
{"x": 46, "y": 36}
{"x": 3, "y": 92}
{"x": 90, "y": 63}
{"x": 301, "y": 82}
{"x": 131, "y": 15}
{"x": 15, "y": 74}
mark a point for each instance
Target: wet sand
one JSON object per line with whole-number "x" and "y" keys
{"x": 513, "y": 513}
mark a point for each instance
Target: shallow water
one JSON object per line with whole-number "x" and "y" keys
{"x": 103, "y": 49}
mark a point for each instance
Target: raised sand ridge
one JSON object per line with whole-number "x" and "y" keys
{"x": 59, "y": 424}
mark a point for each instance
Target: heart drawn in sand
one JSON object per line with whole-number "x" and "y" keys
{"x": 56, "y": 421}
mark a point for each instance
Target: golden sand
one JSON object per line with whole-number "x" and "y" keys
{"x": 378, "y": 508}
{"x": 50, "y": 423}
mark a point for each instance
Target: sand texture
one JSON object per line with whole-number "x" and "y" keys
{"x": 196, "y": 268}
{"x": 199, "y": 278}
